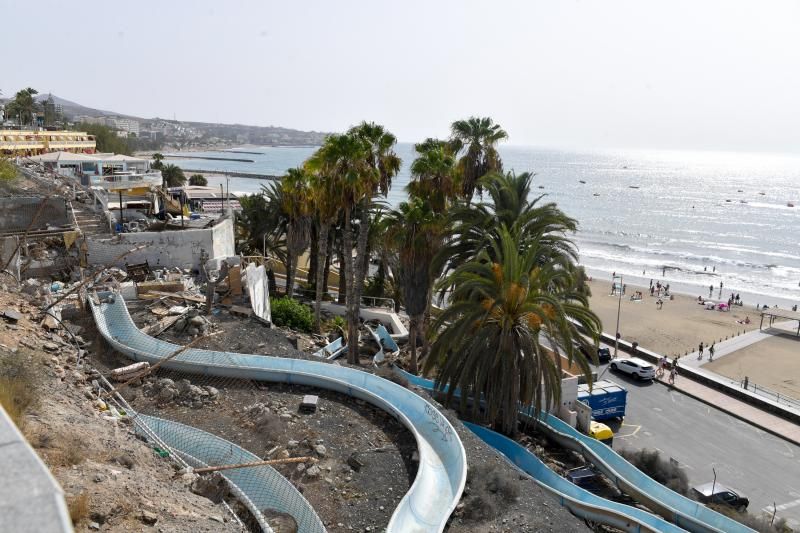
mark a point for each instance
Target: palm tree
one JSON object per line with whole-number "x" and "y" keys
{"x": 415, "y": 230}
{"x": 296, "y": 205}
{"x": 474, "y": 226}
{"x": 198, "y": 180}
{"x": 488, "y": 342}
{"x": 477, "y": 138}
{"x": 172, "y": 176}
{"x": 343, "y": 160}
{"x": 434, "y": 173}
{"x": 380, "y": 164}
{"x": 158, "y": 159}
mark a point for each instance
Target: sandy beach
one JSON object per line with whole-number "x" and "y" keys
{"x": 675, "y": 329}
{"x": 771, "y": 363}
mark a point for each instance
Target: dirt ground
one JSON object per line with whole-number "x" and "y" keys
{"x": 109, "y": 477}
{"x": 773, "y": 363}
{"x": 497, "y": 496}
{"x": 677, "y": 328}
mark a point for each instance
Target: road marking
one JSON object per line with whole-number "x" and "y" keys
{"x": 782, "y": 507}
{"x": 632, "y": 434}
{"x": 789, "y": 453}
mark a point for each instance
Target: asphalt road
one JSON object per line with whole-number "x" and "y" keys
{"x": 700, "y": 437}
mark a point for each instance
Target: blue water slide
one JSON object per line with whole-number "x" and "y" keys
{"x": 442, "y": 470}
{"x": 688, "y": 514}
{"x": 580, "y": 502}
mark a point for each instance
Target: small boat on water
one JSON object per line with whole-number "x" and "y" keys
{"x": 742, "y": 201}
{"x": 596, "y": 194}
{"x": 740, "y": 190}
{"x": 541, "y": 186}
{"x": 728, "y": 201}
{"x": 582, "y": 181}
{"x": 789, "y": 204}
{"x": 633, "y": 186}
{"x": 762, "y": 193}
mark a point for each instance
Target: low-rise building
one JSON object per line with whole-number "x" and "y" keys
{"x": 107, "y": 171}
{"x": 33, "y": 142}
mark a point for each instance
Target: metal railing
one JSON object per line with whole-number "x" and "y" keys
{"x": 770, "y": 394}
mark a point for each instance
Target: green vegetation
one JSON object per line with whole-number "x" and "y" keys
{"x": 107, "y": 139}
{"x": 291, "y": 314}
{"x": 506, "y": 262}
{"x": 19, "y": 390}
{"x": 172, "y": 176}
{"x": 8, "y": 171}
{"x": 158, "y": 161}
{"x": 23, "y": 106}
{"x": 197, "y": 179}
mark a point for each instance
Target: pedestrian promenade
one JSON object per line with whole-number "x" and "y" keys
{"x": 725, "y": 402}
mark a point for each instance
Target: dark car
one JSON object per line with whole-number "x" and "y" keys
{"x": 603, "y": 354}
{"x": 720, "y": 494}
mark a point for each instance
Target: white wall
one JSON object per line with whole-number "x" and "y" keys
{"x": 179, "y": 248}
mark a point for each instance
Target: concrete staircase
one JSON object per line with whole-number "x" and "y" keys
{"x": 89, "y": 222}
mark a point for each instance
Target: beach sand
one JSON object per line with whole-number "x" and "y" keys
{"x": 773, "y": 363}
{"x": 674, "y": 330}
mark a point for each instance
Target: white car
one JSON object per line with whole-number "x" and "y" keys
{"x": 634, "y": 367}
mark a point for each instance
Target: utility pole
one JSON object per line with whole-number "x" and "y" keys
{"x": 619, "y": 308}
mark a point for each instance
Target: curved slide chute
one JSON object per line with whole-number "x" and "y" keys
{"x": 688, "y": 514}
{"x": 442, "y": 468}
{"x": 580, "y": 502}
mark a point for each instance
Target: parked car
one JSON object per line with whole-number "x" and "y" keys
{"x": 601, "y": 432}
{"x": 718, "y": 493}
{"x": 634, "y": 367}
{"x": 603, "y": 354}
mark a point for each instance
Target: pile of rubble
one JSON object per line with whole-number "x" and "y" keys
{"x": 166, "y": 391}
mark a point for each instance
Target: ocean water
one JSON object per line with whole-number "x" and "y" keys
{"x": 690, "y": 218}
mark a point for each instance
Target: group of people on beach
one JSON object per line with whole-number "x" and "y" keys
{"x": 663, "y": 366}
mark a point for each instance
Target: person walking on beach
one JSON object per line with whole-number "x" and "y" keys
{"x": 711, "y": 353}
{"x": 700, "y": 351}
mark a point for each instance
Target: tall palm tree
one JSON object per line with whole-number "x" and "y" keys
{"x": 326, "y": 210}
{"x": 489, "y": 341}
{"x": 158, "y": 161}
{"x": 343, "y": 159}
{"x": 415, "y": 230}
{"x": 296, "y": 206}
{"x": 380, "y": 165}
{"x": 433, "y": 173}
{"x": 477, "y": 138}
{"x": 23, "y": 106}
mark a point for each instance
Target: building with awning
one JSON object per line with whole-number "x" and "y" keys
{"x": 30, "y": 142}
{"x": 104, "y": 170}
{"x": 205, "y": 199}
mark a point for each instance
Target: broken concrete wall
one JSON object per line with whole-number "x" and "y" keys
{"x": 179, "y": 248}
{"x": 17, "y": 213}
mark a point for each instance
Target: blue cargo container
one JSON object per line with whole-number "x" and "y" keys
{"x": 607, "y": 399}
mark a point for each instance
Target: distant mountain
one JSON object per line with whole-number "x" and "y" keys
{"x": 266, "y": 135}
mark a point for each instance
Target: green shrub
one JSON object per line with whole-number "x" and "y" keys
{"x": 291, "y": 314}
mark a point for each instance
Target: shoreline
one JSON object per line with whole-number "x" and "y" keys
{"x": 675, "y": 329}
{"x": 683, "y": 288}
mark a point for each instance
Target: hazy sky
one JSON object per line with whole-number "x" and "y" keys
{"x": 668, "y": 74}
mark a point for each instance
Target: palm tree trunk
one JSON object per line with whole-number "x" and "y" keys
{"x": 289, "y": 272}
{"x": 322, "y": 253}
{"x": 313, "y": 256}
{"x": 361, "y": 264}
{"x": 272, "y": 285}
{"x": 328, "y": 259}
{"x": 352, "y": 310}
{"x": 413, "y": 327}
{"x": 342, "y": 276}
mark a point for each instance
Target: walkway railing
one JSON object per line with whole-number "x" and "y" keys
{"x": 775, "y": 396}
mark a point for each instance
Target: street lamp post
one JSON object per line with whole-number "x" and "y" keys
{"x": 619, "y": 307}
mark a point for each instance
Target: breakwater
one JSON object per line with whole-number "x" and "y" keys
{"x": 208, "y": 157}
{"x": 231, "y": 173}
